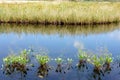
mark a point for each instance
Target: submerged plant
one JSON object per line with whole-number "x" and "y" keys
{"x": 16, "y": 62}
{"x": 59, "y": 64}
{"x": 43, "y": 69}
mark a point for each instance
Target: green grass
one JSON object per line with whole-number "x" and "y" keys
{"x": 62, "y": 12}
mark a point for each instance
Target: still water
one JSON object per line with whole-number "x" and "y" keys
{"x": 59, "y": 41}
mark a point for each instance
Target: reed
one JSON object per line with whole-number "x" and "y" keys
{"x": 60, "y": 12}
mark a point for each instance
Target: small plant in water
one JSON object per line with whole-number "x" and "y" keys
{"x": 108, "y": 60}
{"x": 98, "y": 62}
{"x": 59, "y": 64}
{"x": 42, "y": 59}
{"x": 82, "y": 55}
{"x": 43, "y": 69}
{"x": 16, "y": 63}
{"x": 70, "y": 60}
{"x": 69, "y": 64}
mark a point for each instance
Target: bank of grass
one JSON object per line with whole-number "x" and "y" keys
{"x": 62, "y": 12}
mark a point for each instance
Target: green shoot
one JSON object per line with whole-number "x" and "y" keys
{"x": 82, "y": 55}
{"x": 97, "y": 61}
{"x": 42, "y": 59}
{"x": 59, "y": 60}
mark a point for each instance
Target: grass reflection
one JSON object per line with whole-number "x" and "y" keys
{"x": 61, "y": 30}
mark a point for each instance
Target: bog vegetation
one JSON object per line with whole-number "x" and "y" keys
{"x": 19, "y": 63}
{"x": 62, "y": 12}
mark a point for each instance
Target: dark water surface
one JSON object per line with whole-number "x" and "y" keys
{"x": 59, "y": 41}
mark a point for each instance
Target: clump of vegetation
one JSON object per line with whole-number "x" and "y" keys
{"x": 59, "y": 64}
{"x": 16, "y": 62}
{"x": 43, "y": 69}
{"x": 101, "y": 63}
{"x": 108, "y": 60}
{"x": 98, "y": 62}
{"x": 42, "y": 59}
{"x": 83, "y": 56}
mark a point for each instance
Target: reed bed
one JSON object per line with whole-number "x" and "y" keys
{"x": 60, "y": 12}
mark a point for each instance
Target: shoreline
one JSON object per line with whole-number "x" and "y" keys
{"x": 59, "y": 23}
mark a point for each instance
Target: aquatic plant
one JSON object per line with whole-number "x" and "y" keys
{"x": 83, "y": 56}
{"x": 44, "y": 68}
{"x": 69, "y": 64}
{"x": 59, "y": 64}
{"x": 42, "y": 59}
{"x": 108, "y": 60}
{"x": 14, "y": 62}
{"x": 70, "y": 60}
{"x": 59, "y": 60}
{"x": 97, "y": 61}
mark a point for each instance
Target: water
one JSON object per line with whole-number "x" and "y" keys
{"x": 58, "y": 41}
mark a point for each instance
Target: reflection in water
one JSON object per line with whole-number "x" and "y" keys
{"x": 61, "y": 30}
{"x": 116, "y": 35}
{"x": 60, "y": 40}
{"x": 79, "y": 45}
{"x": 43, "y": 70}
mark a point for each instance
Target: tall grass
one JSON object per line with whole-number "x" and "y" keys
{"x": 61, "y": 12}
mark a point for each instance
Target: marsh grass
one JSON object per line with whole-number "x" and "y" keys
{"x": 61, "y": 12}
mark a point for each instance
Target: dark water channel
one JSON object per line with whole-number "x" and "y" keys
{"x": 59, "y": 41}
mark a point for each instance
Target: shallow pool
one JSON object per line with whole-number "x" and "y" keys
{"x": 59, "y": 41}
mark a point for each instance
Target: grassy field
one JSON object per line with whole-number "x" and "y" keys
{"x": 60, "y": 12}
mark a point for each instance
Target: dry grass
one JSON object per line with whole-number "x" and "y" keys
{"x": 62, "y": 12}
